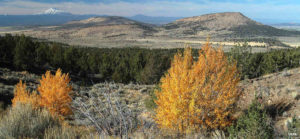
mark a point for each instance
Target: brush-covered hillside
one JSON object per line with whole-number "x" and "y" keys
{"x": 113, "y": 31}
{"x": 230, "y": 24}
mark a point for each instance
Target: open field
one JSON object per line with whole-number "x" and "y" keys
{"x": 292, "y": 41}
{"x": 12, "y": 30}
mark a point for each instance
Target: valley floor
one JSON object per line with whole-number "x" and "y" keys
{"x": 155, "y": 41}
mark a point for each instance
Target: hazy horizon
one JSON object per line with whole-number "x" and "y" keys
{"x": 268, "y": 10}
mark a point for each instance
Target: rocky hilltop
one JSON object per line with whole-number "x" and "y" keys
{"x": 229, "y": 24}
{"x": 216, "y": 22}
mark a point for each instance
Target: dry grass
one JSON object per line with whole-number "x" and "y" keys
{"x": 22, "y": 121}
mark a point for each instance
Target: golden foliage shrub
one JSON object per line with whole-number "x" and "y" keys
{"x": 22, "y": 95}
{"x": 200, "y": 94}
{"x": 55, "y": 93}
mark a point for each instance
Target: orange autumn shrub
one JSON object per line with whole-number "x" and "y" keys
{"x": 200, "y": 94}
{"x": 22, "y": 95}
{"x": 55, "y": 93}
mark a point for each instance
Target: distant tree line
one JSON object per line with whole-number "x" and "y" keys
{"x": 124, "y": 65}
{"x": 109, "y": 64}
{"x": 252, "y": 65}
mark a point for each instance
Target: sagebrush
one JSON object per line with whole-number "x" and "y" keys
{"x": 23, "y": 121}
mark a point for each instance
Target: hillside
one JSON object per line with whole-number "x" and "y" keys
{"x": 95, "y": 30}
{"x": 230, "y": 24}
{"x": 157, "y": 20}
{"x": 114, "y": 31}
{"x": 100, "y": 21}
{"x": 218, "y": 21}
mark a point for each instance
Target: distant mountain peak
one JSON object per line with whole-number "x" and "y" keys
{"x": 53, "y": 11}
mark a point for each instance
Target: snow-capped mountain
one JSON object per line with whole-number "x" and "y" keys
{"x": 53, "y": 11}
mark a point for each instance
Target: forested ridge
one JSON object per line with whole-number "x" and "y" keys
{"x": 124, "y": 65}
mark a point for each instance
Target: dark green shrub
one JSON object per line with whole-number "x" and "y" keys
{"x": 150, "y": 101}
{"x": 254, "y": 124}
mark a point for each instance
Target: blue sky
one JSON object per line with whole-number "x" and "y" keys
{"x": 280, "y": 10}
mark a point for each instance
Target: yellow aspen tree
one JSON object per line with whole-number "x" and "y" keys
{"x": 198, "y": 95}
{"x": 174, "y": 94}
{"x": 216, "y": 89}
{"x": 22, "y": 95}
{"x": 55, "y": 93}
